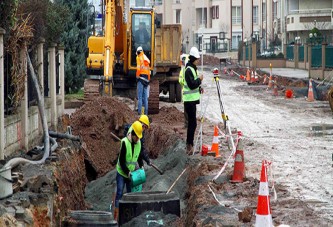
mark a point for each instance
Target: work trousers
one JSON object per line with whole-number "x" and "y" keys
{"x": 142, "y": 97}
{"x": 191, "y": 110}
{"x": 121, "y": 182}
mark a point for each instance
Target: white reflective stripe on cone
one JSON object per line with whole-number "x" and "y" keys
{"x": 263, "y": 189}
{"x": 215, "y": 139}
{"x": 264, "y": 221}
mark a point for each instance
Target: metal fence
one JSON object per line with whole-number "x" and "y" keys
{"x": 316, "y": 59}
{"x": 301, "y": 53}
{"x": 32, "y": 95}
{"x": 290, "y": 52}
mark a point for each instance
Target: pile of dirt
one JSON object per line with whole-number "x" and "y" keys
{"x": 95, "y": 122}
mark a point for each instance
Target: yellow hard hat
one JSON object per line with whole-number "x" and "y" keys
{"x": 144, "y": 119}
{"x": 137, "y": 127}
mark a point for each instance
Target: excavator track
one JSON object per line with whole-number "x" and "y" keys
{"x": 154, "y": 97}
{"x": 91, "y": 89}
{"x": 330, "y": 97}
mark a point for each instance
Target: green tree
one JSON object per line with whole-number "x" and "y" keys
{"x": 74, "y": 40}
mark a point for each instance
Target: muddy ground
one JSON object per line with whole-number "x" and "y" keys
{"x": 273, "y": 128}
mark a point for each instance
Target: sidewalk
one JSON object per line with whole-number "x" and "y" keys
{"x": 288, "y": 72}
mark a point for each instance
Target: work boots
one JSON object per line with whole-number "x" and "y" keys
{"x": 115, "y": 214}
{"x": 189, "y": 149}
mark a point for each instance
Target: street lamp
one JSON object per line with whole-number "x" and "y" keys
{"x": 297, "y": 40}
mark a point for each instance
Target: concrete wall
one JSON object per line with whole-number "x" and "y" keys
{"x": 276, "y": 63}
{"x": 13, "y": 128}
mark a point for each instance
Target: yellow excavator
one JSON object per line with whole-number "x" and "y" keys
{"x": 111, "y": 57}
{"x": 111, "y": 60}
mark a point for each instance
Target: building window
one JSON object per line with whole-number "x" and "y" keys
{"x": 255, "y": 14}
{"x": 178, "y": 16}
{"x": 264, "y": 9}
{"x": 274, "y": 10}
{"x": 236, "y": 15}
{"x": 215, "y": 12}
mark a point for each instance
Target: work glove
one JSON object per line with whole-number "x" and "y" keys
{"x": 149, "y": 163}
{"x": 201, "y": 90}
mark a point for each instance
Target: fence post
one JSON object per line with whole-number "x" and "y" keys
{"x": 53, "y": 84}
{"x": 24, "y": 102}
{"x": 296, "y": 55}
{"x": 305, "y": 54}
{"x": 244, "y": 53}
{"x": 2, "y": 98}
{"x": 323, "y": 59}
{"x": 61, "y": 50}
{"x": 310, "y": 58}
{"x": 40, "y": 70}
{"x": 254, "y": 54}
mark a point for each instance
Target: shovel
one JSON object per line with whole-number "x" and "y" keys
{"x": 157, "y": 169}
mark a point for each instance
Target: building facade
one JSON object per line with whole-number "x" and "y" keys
{"x": 221, "y": 25}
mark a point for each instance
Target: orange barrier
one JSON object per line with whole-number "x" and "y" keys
{"x": 263, "y": 214}
{"x": 289, "y": 94}
{"x": 248, "y": 77}
{"x": 310, "y": 92}
{"x": 239, "y": 166}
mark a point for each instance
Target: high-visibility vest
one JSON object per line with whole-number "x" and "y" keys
{"x": 181, "y": 78}
{"x": 142, "y": 67}
{"x": 188, "y": 94}
{"x": 130, "y": 159}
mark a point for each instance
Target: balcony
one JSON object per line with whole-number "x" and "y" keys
{"x": 298, "y": 20}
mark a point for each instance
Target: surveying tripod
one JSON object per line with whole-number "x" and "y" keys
{"x": 223, "y": 115}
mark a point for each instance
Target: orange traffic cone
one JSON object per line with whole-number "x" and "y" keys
{"x": 270, "y": 81}
{"x": 256, "y": 77}
{"x": 215, "y": 143}
{"x": 263, "y": 215}
{"x": 239, "y": 166}
{"x": 252, "y": 77}
{"x": 265, "y": 79}
{"x": 248, "y": 78}
{"x": 310, "y": 92}
{"x": 275, "y": 89}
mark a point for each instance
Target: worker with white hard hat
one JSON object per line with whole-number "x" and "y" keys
{"x": 183, "y": 60}
{"x": 191, "y": 95}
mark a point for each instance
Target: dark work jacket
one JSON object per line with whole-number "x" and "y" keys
{"x": 191, "y": 82}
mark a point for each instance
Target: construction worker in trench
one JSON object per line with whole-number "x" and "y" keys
{"x": 143, "y": 79}
{"x": 130, "y": 154}
{"x": 144, "y": 119}
{"x": 191, "y": 95}
{"x": 184, "y": 60}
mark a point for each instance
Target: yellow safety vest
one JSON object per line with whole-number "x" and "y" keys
{"x": 130, "y": 160}
{"x": 189, "y": 94}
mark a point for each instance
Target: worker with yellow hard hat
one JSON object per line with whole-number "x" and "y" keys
{"x": 130, "y": 154}
{"x": 145, "y": 125}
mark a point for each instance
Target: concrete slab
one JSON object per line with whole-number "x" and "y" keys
{"x": 288, "y": 72}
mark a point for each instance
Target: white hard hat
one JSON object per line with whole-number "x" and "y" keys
{"x": 139, "y": 49}
{"x": 183, "y": 56}
{"x": 194, "y": 52}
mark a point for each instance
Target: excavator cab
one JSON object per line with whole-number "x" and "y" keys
{"x": 142, "y": 34}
